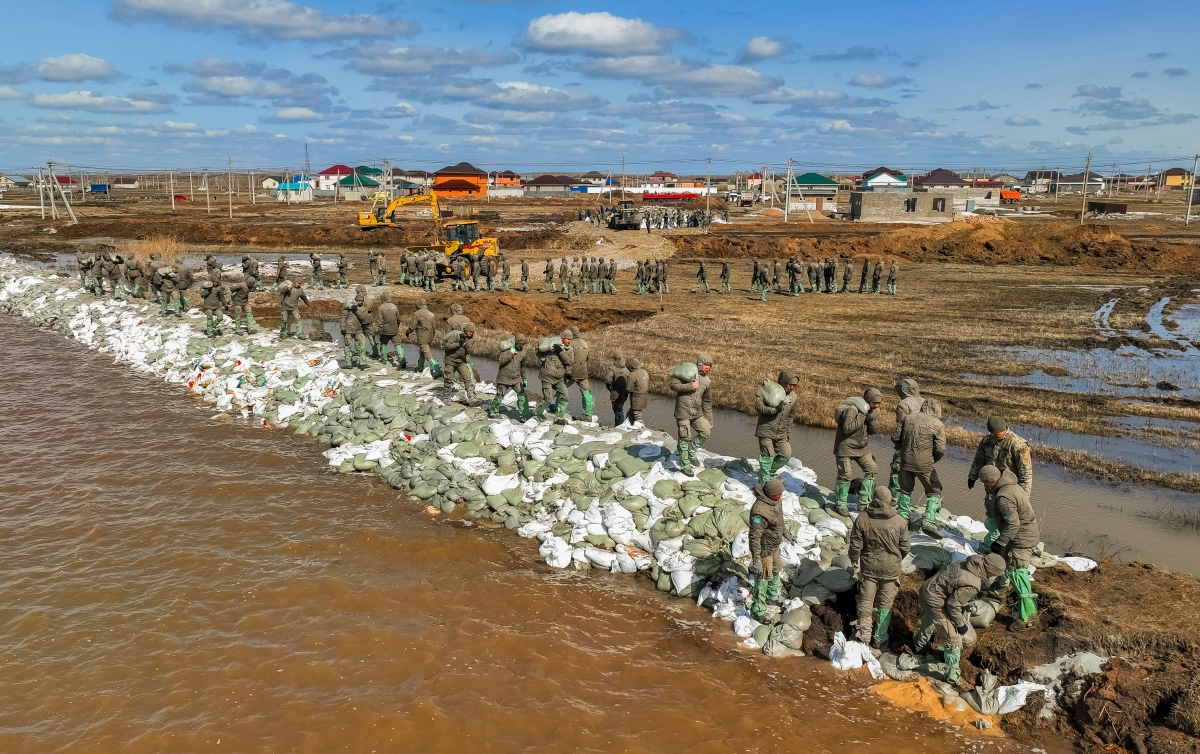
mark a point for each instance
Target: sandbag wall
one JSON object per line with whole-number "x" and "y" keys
{"x": 594, "y": 497}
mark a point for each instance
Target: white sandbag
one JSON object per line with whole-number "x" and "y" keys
{"x": 600, "y": 558}
{"x": 556, "y": 552}
{"x": 848, "y": 655}
{"x": 497, "y": 483}
{"x": 741, "y": 546}
{"x": 1078, "y": 564}
{"x": 744, "y": 626}
{"x": 1012, "y": 698}
{"x": 832, "y": 525}
{"x": 682, "y": 580}
{"x": 533, "y": 529}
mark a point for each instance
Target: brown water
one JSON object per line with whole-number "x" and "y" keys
{"x": 171, "y": 583}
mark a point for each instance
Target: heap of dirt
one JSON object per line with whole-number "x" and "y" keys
{"x": 1031, "y": 243}
{"x": 1147, "y": 699}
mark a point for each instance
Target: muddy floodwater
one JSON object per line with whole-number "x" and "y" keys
{"x": 170, "y": 583}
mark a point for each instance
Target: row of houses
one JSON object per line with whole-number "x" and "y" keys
{"x": 1035, "y": 181}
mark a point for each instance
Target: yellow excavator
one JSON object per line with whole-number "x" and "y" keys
{"x": 453, "y": 236}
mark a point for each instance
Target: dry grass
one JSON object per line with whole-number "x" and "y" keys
{"x": 170, "y": 247}
{"x": 1176, "y": 518}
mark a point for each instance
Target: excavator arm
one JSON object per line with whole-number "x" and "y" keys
{"x": 386, "y": 216}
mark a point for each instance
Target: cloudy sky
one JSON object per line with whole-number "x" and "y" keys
{"x": 540, "y": 86}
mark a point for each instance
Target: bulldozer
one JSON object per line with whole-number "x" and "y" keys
{"x": 454, "y": 237}
{"x": 626, "y": 217}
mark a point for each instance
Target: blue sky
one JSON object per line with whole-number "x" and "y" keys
{"x": 557, "y": 86}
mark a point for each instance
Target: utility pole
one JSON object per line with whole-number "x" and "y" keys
{"x": 708, "y": 189}
{"x": 229, "y": 174}
{"x": 622, "y": 176}
{"x": 207, "y": 192}
{"x": 172, "y": 190}
{"x": 787, "y": 192}
{"x": 63, "y": 194}
{"x": 252, "y": 201}
{"x": 1112, "y": 180}
{"x": 1187, "y": 217}
{"x": 1086, "y": 174}
{"x": 41, "y": 193}
{"x": 191, "y": 188}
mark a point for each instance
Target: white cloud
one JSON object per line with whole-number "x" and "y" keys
{"x": 878, "y": 80}
{"x": 400, "y": 110}
{"x": 274, "y": 19}
{"x": 95, "y": 102}
{"x": 761, "y": 48}
{"x": 8, "y": 92}
{"x": 1021, "y": 120}
{"x": 677, "y": 77}
{"x": 297, "y": 115}
{"x": 225, "y": 82}
{"x": 517, "y": 95}
{"x": 597, "y": 33}
{"x": 835, "y": 126}
{"x": 73, "y": 67}
{"x": 418, "y": 60}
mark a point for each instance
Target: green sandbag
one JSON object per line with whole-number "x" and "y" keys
{"x": 685, "y": 372}
{"x": 667, "y": 489}
{"x": 761, "y": 633}
{"x": 587, "y": 449}
{"x": 610, "y": 473}
{"x": 771, "y": 393}
{"x": 630, "y": 466}
{"x": 602, "y": 541}
{"x": 362, "y": 464}
{"x": 930, "y": 557}
{"x": 982, "y": 612}
{"x": 817, "y": 514}
{"x": 347, "y": 467}
{"x": 698, "y": 486}
{"x": 284, "y": 396}
{"x": 800, "y": 618}
{"x": 635, "y": 503}
{"x": 702, "y": 526}
{"x": 663, "y": 584}
{"x": 688, "y": 504}
{"x": 466, "y": 450}
{"x": 529, "y": 469}
{"x": 702, "y": 548}
{"x": 815, "y": 594}
{"x": 496, "y": 502}
{"x": 729, "y": 522}
{"x": 512, "y": 495}
{"x": 807, "y": 572}
{"x": 714, "y": 478}
{"x": 837, "y": 580}
{"x": 841, "y": 561}
{"x": 424, "y": 491}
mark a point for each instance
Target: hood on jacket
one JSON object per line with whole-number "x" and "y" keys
{"x": 386, "y": 297}
{"x": 974, "y": 565}
{"x": 456, "y": 308}
{"x": 882, "y": 505}
{"x": 907, "y": 388}
{"x": 1007, "y": 477}
{"x": 632, "y": 364}
{"x": 788, "y": 378}
{"x": 703, "y": 359}
{"x": 933, "y": 407}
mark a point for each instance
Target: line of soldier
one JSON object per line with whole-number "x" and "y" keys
{"x": 577, "y": 276}
{"x": 822, "y": 277}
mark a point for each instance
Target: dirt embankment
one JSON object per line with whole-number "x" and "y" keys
{"x": 1031, "y": 243}
{"x": 1147, "y": 699}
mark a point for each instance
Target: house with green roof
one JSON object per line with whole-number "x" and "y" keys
{"x": 814, "y": 184}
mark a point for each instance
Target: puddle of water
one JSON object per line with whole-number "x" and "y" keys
{"x": 1127, "y": 371}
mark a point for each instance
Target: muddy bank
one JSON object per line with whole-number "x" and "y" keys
{"x": 1028, "y": 243}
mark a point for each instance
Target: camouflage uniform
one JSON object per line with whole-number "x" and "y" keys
{"x": 1007, "y": 453}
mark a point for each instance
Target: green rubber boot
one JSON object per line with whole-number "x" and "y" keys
{"x": 179, "y": 306}
{"x": 588, "y": 404}
{"x": 841, "y": 491}
{"x": 1019, "y": 578}
{"x": 283, "y": 333}
{"x": 523, "y": 405}
{"x": 435, "y": 368}
{"x": 764, "y": 468}
{"x": 560, "y": 412}
{"x": 903, "y": 504}
{"x": 763, "y": 295}
{"x": 298, "y": 331}
{"x": 162, "y": 303}
{"x": 950, "y": 667}
{"x": 685, "y": 460}
{"x": 348, "y": 352}
{"x": 494, "y": 407}
{"x": 868, "y": 487}
{"x": 251, "y": 325}
{"x": 929, "y": 521}
{"x": 780, "y": 462}
{"x": 883, "y": 620}
{"x": 420, "y": 363}
{"x": 618, "y": 418}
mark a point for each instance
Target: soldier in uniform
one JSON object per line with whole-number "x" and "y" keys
{"x": 893, "y": 271}
{"x": 725, "y": 285}
{"x": 876, "y": 275}
{"x": 291, "y": 294}
{"x": 373, "y": 265}
{"x": 280, "y": 270}
{"x": 213, "y": 300}
{"x": 424, "y": 324}
{"x": 1007, "y": 451}
{"x": 701, "y": 279}
{"x": 847, "y": 274}
{"x": 315, "y": 278}
{"x": 525, "y": 276}
{"x": 430, "y": 274}
{"x": 239, "y": 304}
{"x": 250, "y": 270}
{"x": 862, "y": 283}
{"x": 548, "y": 277}
{"x": 343, "y": 278}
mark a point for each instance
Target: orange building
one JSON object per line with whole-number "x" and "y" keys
{"x": 506, "y": 179}
{"x": 463, "y": 179}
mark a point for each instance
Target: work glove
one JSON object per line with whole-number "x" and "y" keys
{"x": 963, "y": 629}
{"x": 513, "y": 349}
{"x": 997, "y": 548}
{"x": 970, "y": 484}
{"x": 524, "y": 383}
{"x": 789, "y": 537}
{"x": 756, "y": 566}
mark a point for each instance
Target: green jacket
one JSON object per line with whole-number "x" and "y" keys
{"x": 1013, "y": 514}
{"x": 946, "y": 594}
{"x": 1008, "y": 453}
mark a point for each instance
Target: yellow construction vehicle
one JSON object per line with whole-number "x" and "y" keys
{"x": 453, "y": 237}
